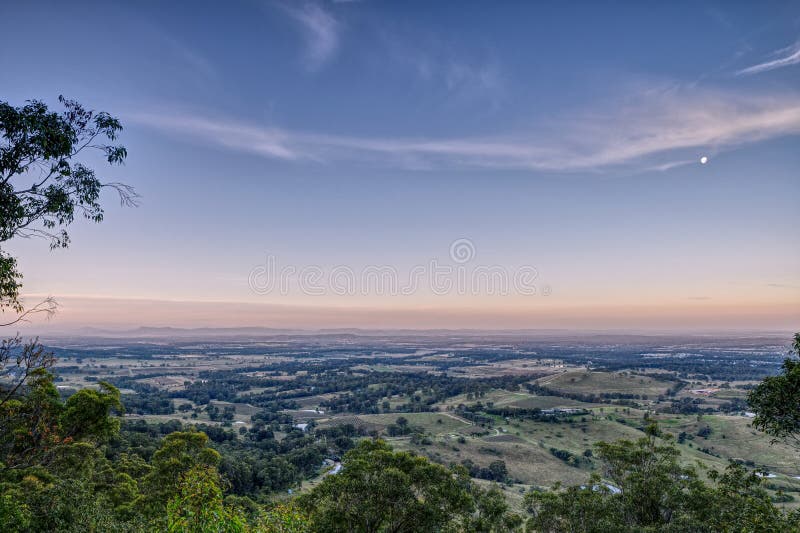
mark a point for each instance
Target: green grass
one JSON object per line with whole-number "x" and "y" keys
{"x": 587, "y": 382}
{"x": 433, "y": 423}
{"x": 733, "y": 437}
{"x": 549, "y": 402}
{"x": 525, "y": 445}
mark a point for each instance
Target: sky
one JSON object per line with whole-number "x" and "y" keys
{"x": 426, "y": 164}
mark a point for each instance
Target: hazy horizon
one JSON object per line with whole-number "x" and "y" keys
{"x": 131, "y": 314}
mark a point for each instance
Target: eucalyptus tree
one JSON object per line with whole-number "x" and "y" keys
{"x": 46, "y": 183}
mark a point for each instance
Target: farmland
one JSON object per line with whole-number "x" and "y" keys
{"x": 538, "y": 406}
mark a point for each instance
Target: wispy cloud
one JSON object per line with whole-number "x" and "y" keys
{"x": 470, "y": 82}
{"x": 783, "y": 286}
{"x": 173, "y": 45}
{"x": 457, "y": 75}
{"x": 192, "y": 58}
{"x": 651, "y": 133}
{"x": 268, "y": 142}
{"x": 320, "y": 29}
{"x": 785, "y": 57}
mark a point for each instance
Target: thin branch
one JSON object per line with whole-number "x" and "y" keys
{"x": 128, "y": 197}
{"x": 48, "y": 306}
{"x": 31, "y": 357}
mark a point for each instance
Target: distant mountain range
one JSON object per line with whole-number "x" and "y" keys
{"x": 255, "y": 332}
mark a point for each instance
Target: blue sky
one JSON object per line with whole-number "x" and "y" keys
{"x": 562, "y": 136}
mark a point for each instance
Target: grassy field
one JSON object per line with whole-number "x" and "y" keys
{"x": 432, "y": 423}
{"x": 733, "y": 437}
{"x": 502, "y": 398}
{"x": 242, "y": 414}
{"x": 525, "y": 445}
{"x": 588, "y": 382}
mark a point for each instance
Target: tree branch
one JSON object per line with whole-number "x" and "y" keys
{"x": 49, "y": 306}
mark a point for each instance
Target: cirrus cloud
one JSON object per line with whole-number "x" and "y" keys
{"x": 321, "y": 31}
{"x": 788, "y": 56}
{"x": 658, "y": 129}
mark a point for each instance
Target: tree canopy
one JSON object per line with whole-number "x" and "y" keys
{"x": 382, "y": 490}
{"x": 650, "y": 491}
{"x": 43, "y": 185}
{"x": 776, "y": 400}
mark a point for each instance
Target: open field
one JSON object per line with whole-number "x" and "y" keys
{"x": 432, "y": 423}
{"x": 588, "y": 382}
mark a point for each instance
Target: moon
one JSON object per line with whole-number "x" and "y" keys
{"x": 703, "y": 160}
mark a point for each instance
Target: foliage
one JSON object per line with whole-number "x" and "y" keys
{"x": 42, "y": 186}
{"x": 653, "y": 485}
{"x": 180, "y": 452}
{"x": 379, "y": 489}
{"x": 86, "y": 413}
{"x": 650, "y": 491}
{"x": 776, "y": 400}
{"x": 284, "y": 518}
{"x": 18, "y": 361}
{"x": 578, "y": 509}
{"x": 738, "y": 502}
{"x": 198, "y": 508}
{"x": 46, "y": 444}
{"x": 36, "y": 424}
{"x": 491, "y": 512}
{"x": 14, "y": 514}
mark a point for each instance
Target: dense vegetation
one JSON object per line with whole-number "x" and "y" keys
{"x": 70, "y": 466}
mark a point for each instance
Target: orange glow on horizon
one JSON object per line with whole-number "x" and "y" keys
{"x": 82, "y": 311}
